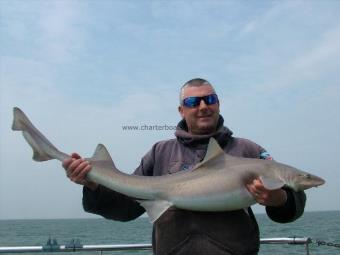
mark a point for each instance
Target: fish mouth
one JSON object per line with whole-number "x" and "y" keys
{"x": 319, "y": 181}
{"x": 314, "y": 183}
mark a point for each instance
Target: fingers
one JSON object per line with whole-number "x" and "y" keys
{"x": 75, "y": 155}
{"x": 266, "y": 197}
{"x": 76, "y": 168}
{"x": 256, "y": 194}
{"x": 258, "y": 186}
{"x": 255, "y": 187}
{"x": 67, "y": 162}
{"x": 258, "y": 191}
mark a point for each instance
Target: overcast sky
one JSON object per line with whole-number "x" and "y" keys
{"x": 83, "y": 69}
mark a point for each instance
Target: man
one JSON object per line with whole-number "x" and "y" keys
{"x": 186, "y": 232}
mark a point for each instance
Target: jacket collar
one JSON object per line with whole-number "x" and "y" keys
{"x": 222, "y": 135}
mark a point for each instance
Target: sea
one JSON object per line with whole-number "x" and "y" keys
{"x": 322, "y": 227}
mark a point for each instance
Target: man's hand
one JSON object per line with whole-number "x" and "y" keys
{"x": 76, "y": 170}
{"x": 267, "y": 197}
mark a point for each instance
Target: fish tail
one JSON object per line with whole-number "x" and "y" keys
{"x": 19, "y": 116}
{"x": 42, "y": 148}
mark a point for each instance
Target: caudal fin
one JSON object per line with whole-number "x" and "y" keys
{"x": 42, "y": 148}
{"x": 19, "y": 119}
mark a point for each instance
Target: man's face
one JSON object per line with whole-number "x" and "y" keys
{"x": 203, "y": 118}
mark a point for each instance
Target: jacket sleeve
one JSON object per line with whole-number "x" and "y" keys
{"x": 294, "y": 206}
{"x": 113, "y": 205}
{"x": 110, "y": 204}
{"x": 291, "y": 210}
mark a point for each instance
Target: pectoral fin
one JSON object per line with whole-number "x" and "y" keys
{"x": 271, "y": 184}
{"x": 155, "y": 209}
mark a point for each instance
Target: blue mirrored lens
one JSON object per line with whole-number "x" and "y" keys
{"x": 195, "y": 101}
{"x": 210, "y": 99}
{"x": 192, "y": 101}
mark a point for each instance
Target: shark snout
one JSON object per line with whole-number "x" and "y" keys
{"x": 319, "y": 182}
{"x": 310, "y": 181}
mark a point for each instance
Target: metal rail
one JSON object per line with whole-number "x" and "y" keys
{"x": 65, "y": 248}
{"x": 76, "y": 246}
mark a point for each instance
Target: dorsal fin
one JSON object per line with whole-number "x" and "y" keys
{"x": 214, "y": 150}
{"x": 101, "y": 154}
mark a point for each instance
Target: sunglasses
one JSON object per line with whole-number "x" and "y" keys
{"x": 192, "y": 102}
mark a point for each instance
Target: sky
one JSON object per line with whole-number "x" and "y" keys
{"x": 81, "y": 70}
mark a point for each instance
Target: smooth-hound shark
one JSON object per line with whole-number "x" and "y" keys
{"x": 218, "y": 183}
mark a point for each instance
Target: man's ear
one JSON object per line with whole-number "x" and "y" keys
{"x": 180, "y": 110}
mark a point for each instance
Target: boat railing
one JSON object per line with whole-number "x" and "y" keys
{"x": 76, "y": 246}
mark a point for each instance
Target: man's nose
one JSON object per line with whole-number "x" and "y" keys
{"x": 202, "y": 105}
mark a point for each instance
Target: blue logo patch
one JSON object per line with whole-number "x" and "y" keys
{"x": 265, "y": 155}
{"x": 185, "y": 167}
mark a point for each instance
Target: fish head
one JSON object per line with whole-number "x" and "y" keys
{"x": 302, "y": 180}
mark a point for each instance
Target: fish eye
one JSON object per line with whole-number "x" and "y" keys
{"x": 307, "y": 176}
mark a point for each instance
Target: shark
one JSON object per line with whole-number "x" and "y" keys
{"x": 217, "y": 183}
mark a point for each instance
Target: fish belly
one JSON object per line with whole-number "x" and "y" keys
{"x": 229, "y": 201}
